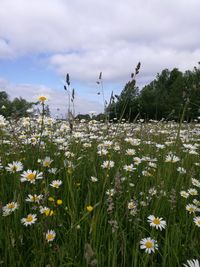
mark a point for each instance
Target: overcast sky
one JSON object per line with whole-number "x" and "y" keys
{"x": 42, "y": 40}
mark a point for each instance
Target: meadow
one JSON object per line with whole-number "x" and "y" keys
{"x": 107, "y": 194}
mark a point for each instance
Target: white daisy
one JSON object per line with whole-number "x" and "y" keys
{"x": 56, "y": 183}
{"x": 15, "y": 166}
{"x": 30, "y": 176}
{"x": 157, "y": 222}
{"x": 50, "y": 235}
{"x": 30, "y": 219}
{"x": 149, "y": 244}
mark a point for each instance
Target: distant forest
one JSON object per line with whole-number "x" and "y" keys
{"x": 166, "y": 97}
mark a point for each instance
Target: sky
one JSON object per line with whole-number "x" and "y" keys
{"x": 43, "y": 40}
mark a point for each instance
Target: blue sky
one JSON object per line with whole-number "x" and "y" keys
{"x": 41, "y": 41}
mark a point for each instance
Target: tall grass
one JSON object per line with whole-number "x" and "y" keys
{"x": 109, "y": 233}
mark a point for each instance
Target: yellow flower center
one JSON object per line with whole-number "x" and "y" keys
{"x": 191, "y": 209}
{"x": 50, "y": 236}
{"x": 198, "y": 222}
{"x": 149, "y": 244}
{"x": 156, "y": 221}
{"x": 42, "y": 98}
{"x": 11, "y": 206}
{"x": 31, "y": 176}
{"x": 29, "y": 218}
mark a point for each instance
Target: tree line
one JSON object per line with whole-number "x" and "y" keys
{"x": 166, "y": 97}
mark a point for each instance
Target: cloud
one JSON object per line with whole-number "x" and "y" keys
{"x": 57, "y": 99}
{"x": 86, "y": 37}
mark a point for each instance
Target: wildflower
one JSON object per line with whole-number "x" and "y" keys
{"x": 30, "y": 219}
{"x": 89, "y": 208}
{"x": 192, "y": 263}
{"x": 42, "y": 98}
{"x": 184, "y": 194}
{"x": 129, "y": 168}
{"x": 15, "y": 166}
{"x": 34, "y": 198}
{"x": 191, "y": 208}
{"x": 181, "y": 170}
{"x": 93, "y": 179}
{"x": 56, "y": 183}
{"x": 47, "y": 162}
{"x": 196, "y": 182}
{"x": 47, "y": 211}
{"x": 59, "y": 202}
{"x": 172, "y": 158}
{"x": 9, "y": 208}
{"x": 197, "y": 221}
{"x": 192, "y": 192}
{"x": 157, "y": 222}
{"x": 30, "y": 176}
{"x": 50, "y": 235}
{"x": 130, "y": 152}
{"x": 149, "y": 244}
{"x": 51, "y": 199}
{"x": 108, "y": 164}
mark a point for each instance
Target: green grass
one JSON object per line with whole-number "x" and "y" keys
{"x": 109, "y": 235}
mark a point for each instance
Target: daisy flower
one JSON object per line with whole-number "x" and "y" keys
{"x": 197, "y": 221}
{"x": 15, "y": 166}
{"x": 34, "y": 198}
{"x": 47, "y": 162}
{"x": 108, "y": 164}
{"x": 149, "y": 244}
{"x": 56, "y": 183}
{"x": 192, "y": 263}
{"x": 42, "y": 98}
{"x": 9, "y": 208}
{"x": 30, "y": 176}
{"x": 50, "y": 235}
{"x": 157, "y": 222}
{"x": 191, "y": 208}
{"x": 30, "y": 219}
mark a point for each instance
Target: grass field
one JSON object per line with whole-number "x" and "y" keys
{"x": 107, "y": 194}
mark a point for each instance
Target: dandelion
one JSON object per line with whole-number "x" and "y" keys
{"x": 56, "y": 183}
{"x": 197, "y": 221}
{"x": 157, "y": 222}
{"x": 29, "y": 220}
{"x": 50, "y": 235}
{"x": 149, "y": 244}
{"x": 89, "y": 208}
{"x": 59, "y": 202}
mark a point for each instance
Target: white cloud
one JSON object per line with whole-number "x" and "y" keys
{"x": 86, "y": 37}
{"x": 57, "y": 99}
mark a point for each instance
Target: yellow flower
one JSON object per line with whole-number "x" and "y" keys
{"x": 49, "y": 212}
{"x": 51, "y": 199}
{"x": 89, "y": 208}
{"x": 42, "y": 98}
{"x": 59, "y": 202}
